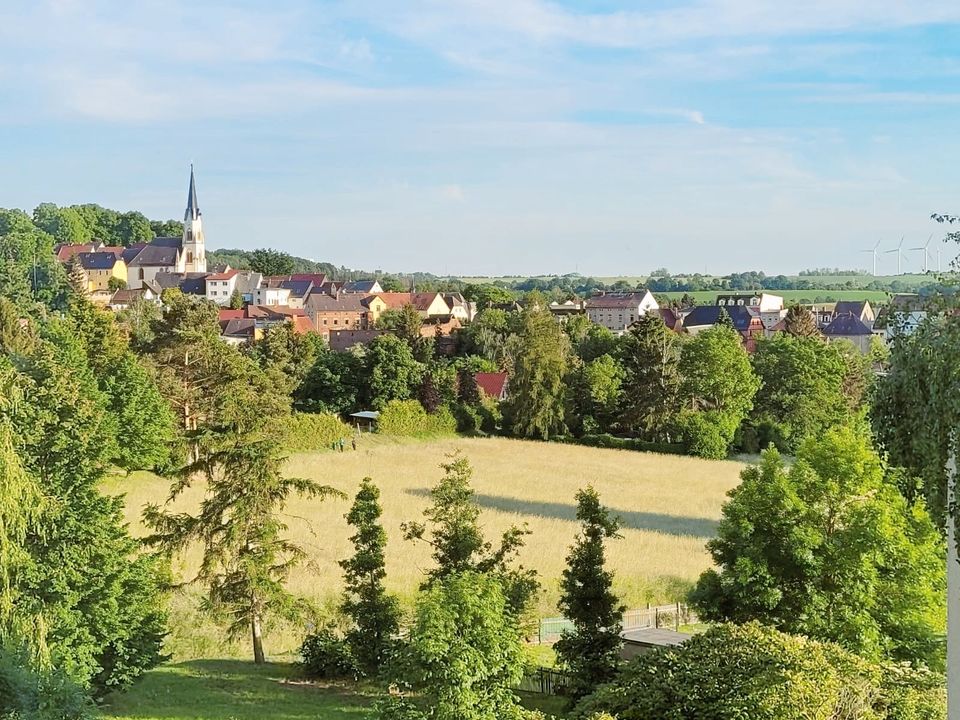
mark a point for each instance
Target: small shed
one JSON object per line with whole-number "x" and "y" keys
{"x": 643, "y": 640}
{"x": 365, "y": 419}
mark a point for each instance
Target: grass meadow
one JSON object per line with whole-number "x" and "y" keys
{"x": 669, "y": 506}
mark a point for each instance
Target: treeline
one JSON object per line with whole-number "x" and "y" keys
{"x": 704, "y": 395}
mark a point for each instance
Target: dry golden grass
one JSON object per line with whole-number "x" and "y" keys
{"x": 669, "y": 506}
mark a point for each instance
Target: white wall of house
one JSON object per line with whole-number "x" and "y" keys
{"x": 137, "y": 275}
{"x": 271, "y": 296}
{"x": 220, "y": 291}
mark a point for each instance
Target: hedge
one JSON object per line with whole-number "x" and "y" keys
{"x": 307, "y": 432}
{"x": 407, "y": 418}
{"x": 618, "y": 443}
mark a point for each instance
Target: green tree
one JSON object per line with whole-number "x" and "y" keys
{"x": 487, "y": 294}
{"x": 598, "y": 341}
{"x": 802, "y": 387}
{"x": 375, "y": 615}
{"x": 800, "y": 322}
{"x": 246, "y": 559}
{"x": 65, "y": 225}
{"x": 393, "y": 372}
{"x": 271, "y": 262}
{"x": 718, "y": 385}
{"x": 133, "y": 227}
{"x": 593, "y": 394}
{"x": 650, "y": 355}
{"x": 535, "y": 407}
{"x": 453, "y": 531}
{"x": 334, "y": 383}
{"x": 464, "y": 653}
{"x": 591, "y": 650}
{"x": 142, "y": 412}
{"x": 468, "y": 392}
{"x": 98, "y": 598}
{"x": 236, "y": 300}
{"x": 830, "y": 549}
{"x": 405, "y": 323}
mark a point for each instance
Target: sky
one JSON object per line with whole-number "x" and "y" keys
{"x": 478, "y": 137}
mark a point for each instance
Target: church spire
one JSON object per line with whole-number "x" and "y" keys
{"x": 193, "y": 208}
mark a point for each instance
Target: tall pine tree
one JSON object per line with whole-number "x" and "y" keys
{"x": 650, "y": 355}
{"x": 591, "y": 651}
{"x": 375, "y": 614}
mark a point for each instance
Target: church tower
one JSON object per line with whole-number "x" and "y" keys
{"x": 194, "y": 255}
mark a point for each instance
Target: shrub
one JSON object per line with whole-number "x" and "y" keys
{"x": 468, "y": 418}
{"x": 26, "y": 694}
{"x": 325, "y": 655}
{"x": 705, "y": 434}
{"x": 407, "y": 418}
{"x": 307, "y": 432}
{"x": 397, "y": 708}
{"x": 612, "y": 441}
{"x": 756, "y": 672}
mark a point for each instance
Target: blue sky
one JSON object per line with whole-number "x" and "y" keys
{"x": 498, "y": 136}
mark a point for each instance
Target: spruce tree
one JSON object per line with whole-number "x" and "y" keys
{"x": 453, "y": 530}
{"x": 591, "y": 651}
{"x": 799, "y": 322}
{"x": 650, "y": 355}
{"x": 468, "y": 392}
{"x": 375, "y": 614}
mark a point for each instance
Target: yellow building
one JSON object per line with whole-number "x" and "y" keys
{"x": 99, "y": 268}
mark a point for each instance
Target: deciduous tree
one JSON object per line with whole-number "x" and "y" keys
{"x": 830, "y": 549}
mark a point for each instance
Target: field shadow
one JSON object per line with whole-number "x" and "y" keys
{"x": 678, "y": 525}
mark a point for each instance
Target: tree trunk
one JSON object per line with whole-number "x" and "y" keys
{"x": 257, "y": 632}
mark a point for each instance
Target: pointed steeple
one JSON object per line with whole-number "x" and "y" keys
{"x": 193, "y": 207}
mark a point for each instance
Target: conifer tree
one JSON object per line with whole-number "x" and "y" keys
{"x": 468, "y": 392}
{"x": 375, "y": 614}
{"x": 650, "y": 355}
{"x": 799, "y": 322}
{"x": 591, "y": 651}
{"x": 458, "y": 543}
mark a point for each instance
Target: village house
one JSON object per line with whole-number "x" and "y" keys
{"x": 220, "y": 286}
{"x": 618, "y": 311}
{"x": 265, "y": 295}
{"x": 362, "y": 287}
{"x": 428, "y": 304}
{"x": 98, "y": 269}
{"x": 337, "y": 313}
{"x": 860, "y": 309}
{"x": 343, "y": 340}
{"x": 122, "y": 299}
{"x": 850, "y": 327}
{"x": 459, "y": 307}
{"x": 564, "y": 310}
{"x": 768, "y": 307}
{"x": 749, "y": 326}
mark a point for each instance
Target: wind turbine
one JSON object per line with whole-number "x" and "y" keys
{"x": 926, "y": 253}
{"x": 899, "y": 251}
{"x": 874, "y": 253}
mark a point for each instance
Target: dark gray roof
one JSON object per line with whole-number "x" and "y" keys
{"x": 239, "y": 327}
{"x": 847, "y": 325}
{"x": 710, "y": 314}
{"x": 358, "y": 286}
{"x": 193, "y": 207}
{"x": 297, "y": 288}
{"x": 853, "y": 307}
{"x": 658, "y": 637}
{"x": 190, "y": 283}
{"x": 166, "y": 241}
{"x": 97, "y": 260}
{"x": 154, "y": 255}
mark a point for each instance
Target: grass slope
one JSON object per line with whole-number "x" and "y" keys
{"x": 669, "y": 505}
{"x": 235, "y": 690}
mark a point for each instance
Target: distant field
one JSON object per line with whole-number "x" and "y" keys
{"x": 710, "y": 296}
{"x": 669, "y": 504}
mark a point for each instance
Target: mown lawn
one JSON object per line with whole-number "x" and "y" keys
{"x": 238, "y": 690}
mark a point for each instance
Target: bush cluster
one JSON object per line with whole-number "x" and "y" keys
{"x": 27, "y": 694}
{"x": 407, "y": 418}
{"x": 756, "y": 672}
{"x": 307, "y": 432}
{"x": 605, "y": 440}
{"x": 324, "y": 655}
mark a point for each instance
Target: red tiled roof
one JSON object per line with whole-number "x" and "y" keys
{"x": 222, "y": 276}
{"x": 228, "y": 314}
{"x": 492, "y": 384}
{"x": 302, "y": 324}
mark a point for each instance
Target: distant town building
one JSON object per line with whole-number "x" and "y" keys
{"x": 618, "y": 311}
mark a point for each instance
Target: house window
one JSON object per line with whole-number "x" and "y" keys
{"x": 141, "y": 273}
